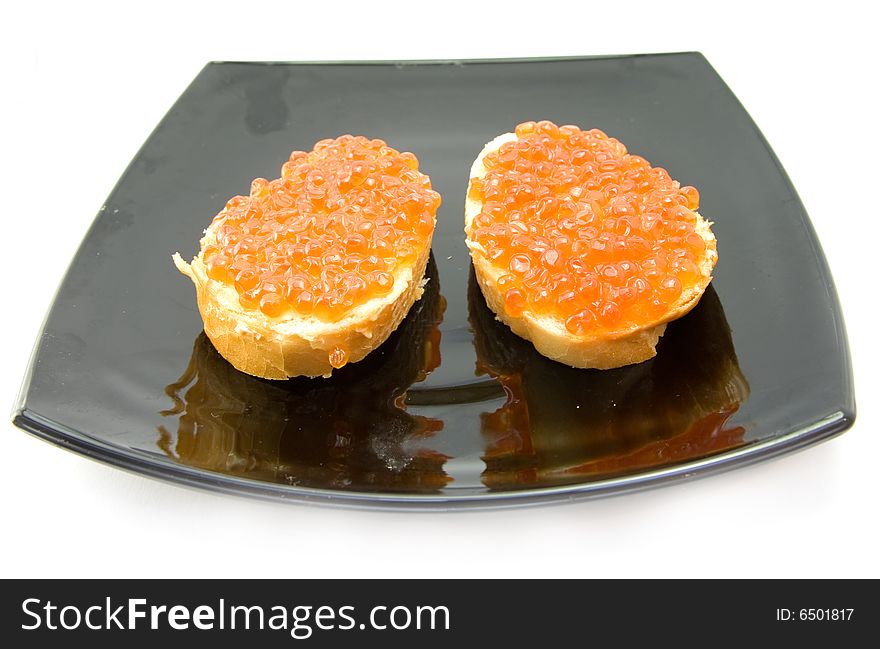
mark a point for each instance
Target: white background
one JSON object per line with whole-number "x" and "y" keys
{"x": 84, "y": 84}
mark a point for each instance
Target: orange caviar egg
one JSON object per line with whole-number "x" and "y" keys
{"x": 326, "y": 236}
{"x": 583, "y": 231}
{"x": 338, "y": 357}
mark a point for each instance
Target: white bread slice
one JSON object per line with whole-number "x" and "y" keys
{"x": 549, "y": 335}
{"x": 295, "y": 345}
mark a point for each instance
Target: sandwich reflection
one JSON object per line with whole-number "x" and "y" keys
{"x": 349, "y": 432}
{"x": 560, "y": 424}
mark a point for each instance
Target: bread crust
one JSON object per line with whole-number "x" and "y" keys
{"x": 294, "y": 345}
{"x": 549, "y": 336}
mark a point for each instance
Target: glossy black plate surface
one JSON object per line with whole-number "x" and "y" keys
{"x": 453, "y": 408}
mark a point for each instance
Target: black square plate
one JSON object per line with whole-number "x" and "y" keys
{"x": 453, "y": 408}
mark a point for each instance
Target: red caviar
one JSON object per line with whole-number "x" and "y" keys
{"x": 583, "y": 231}
{"x": 329, "y": 234}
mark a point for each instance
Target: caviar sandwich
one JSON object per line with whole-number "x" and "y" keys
{"x": 582, "y": 248}
{"x": 315, "y": 269}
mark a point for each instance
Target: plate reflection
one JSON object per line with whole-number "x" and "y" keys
{"x": 561, "y": 425}
{"x": 555, "y": 426}
{"x": 348, "y": 432}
